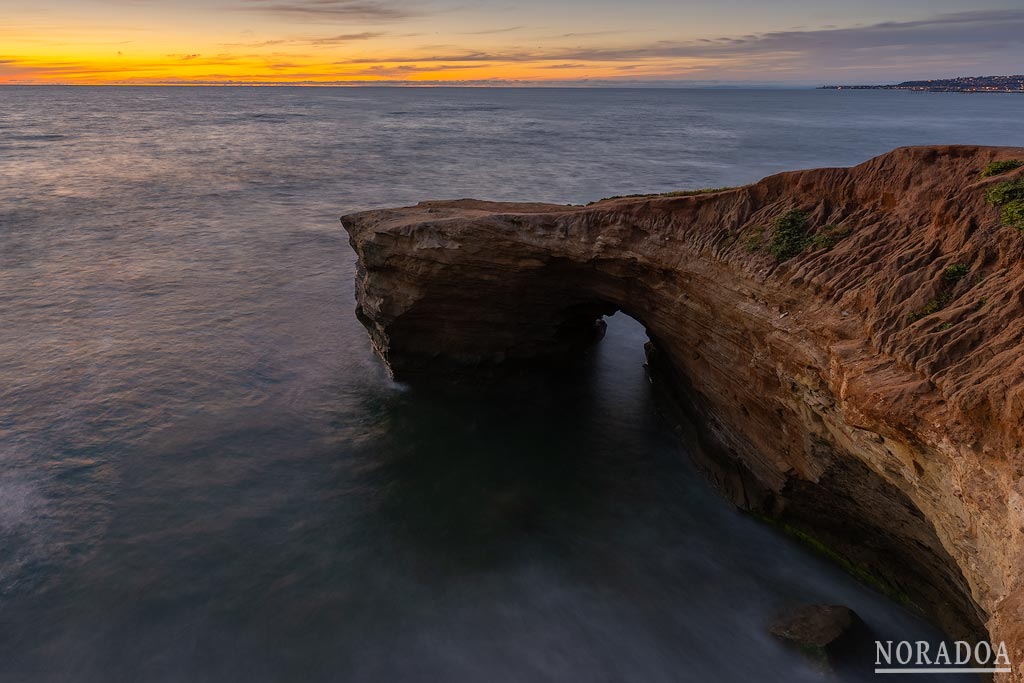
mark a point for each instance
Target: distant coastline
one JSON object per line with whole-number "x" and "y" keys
{"x": 968, "y": 84}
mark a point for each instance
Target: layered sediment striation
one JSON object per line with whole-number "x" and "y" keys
{"x": 867, "y": 392}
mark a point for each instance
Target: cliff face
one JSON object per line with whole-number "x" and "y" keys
{"x": 867, "y": 395}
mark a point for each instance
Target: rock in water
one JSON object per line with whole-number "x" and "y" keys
{"x": 817, "y": 630}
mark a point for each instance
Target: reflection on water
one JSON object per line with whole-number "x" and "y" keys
{"x": 207, "y": 476}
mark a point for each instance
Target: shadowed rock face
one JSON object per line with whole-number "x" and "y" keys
{"x": 819, "y": 400}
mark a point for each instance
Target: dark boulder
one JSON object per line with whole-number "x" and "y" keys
{"x": 830, "y": 635}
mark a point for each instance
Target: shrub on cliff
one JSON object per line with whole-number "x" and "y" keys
{"x": 1001, "y": 167}
{"x": 790, "y": 235}
{"x": 1013, "y": 215}
{"x": 955, "y": 273}
{"x": 933, "y": 306}
{"x": 752, "y": 241}
{"x": 951, "y": 275}
{"x": 1005, "y": 192}
{"x": 829, "y": 235}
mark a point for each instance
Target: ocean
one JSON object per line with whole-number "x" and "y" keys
{"x": 205, "y": 474}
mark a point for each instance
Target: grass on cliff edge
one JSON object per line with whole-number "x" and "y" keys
{"x": 1001, "y": 167}
{"x": 673, "y": 193}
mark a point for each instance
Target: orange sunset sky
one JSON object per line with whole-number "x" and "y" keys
{"x": 534, "y": 41}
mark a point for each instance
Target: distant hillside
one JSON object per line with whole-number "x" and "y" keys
{"x": 960, "y": 84}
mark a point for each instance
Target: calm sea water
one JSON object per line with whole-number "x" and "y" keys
{"x": 206, "y": 476}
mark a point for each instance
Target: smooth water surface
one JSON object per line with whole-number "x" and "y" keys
{"x": 206, "y": 476}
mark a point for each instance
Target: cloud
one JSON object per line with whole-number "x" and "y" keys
{"x": 492, "y": 31}
{"x": 381, "y": 71}
{"x": 28, "y": 70}
{"x": 340, "y": 39}
{"x": 18, "y": 70}
{"x": 588, "y": 34}
{"x": 345, "y": 38}
{"x": 959, "y": 40}
{"x": 956, "y": 30}
{"x": 372, "y": 10}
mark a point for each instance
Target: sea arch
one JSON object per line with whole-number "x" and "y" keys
{"x": 818, "y": 400}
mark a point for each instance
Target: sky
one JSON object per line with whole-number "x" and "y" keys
{"x": 507, "y": 42}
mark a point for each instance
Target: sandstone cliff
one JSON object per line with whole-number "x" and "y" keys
{"x": 869, "y": 396}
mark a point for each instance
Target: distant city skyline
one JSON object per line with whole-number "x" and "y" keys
{"x": 571, "y": 42}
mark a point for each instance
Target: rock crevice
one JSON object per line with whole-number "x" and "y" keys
{"x": 861, "y": 393}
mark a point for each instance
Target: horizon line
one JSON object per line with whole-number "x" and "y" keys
{"x": 652, "y": 84}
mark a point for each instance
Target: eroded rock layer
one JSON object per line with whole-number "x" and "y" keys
{"x": 867, "y": 395}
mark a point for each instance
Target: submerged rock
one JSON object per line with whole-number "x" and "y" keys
{"x": 822, "y": 632}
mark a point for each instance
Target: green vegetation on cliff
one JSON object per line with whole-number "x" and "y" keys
{"x": 1005, "y": 192}
{"x": 790, "y": 236}
{"x": 672, "y": 193}
{"x": 956, "y": 272}
{"x": 829, "y": 235}
{"x": 1013, "y": 215}
{"x": 1009, "y": 195}
{"x": 1001, "y": 167}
